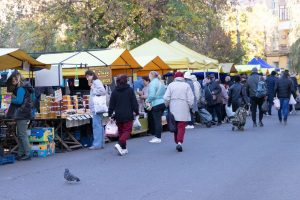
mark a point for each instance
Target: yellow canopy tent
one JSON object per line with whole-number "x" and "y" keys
{"x": 120, "y": 61}
{"x": 12, "y": 58}
{"x": 228, "y": 68}
{"x": 209, "y": 62}
{"x": 246, "y": 68}
{"x": 150, "y": 63}
{"x": 174, "y": 58}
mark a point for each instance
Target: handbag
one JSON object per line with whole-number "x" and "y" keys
{"x": 171, "y": 122}
{"x": 276, "y": 103}
{"x": 100, "y": 105}
{"x": 111, "y": 129}
{"x": 148, "y": 105}
{"x": 229, "y": 111}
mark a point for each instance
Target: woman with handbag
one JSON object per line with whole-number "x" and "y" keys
{"x": 20, "y": 110}
{"x": 180, "y": 99}
{"x": 97, "y": 89}
{"x": 123, "y": 104}
{"x": 155, "y": 104}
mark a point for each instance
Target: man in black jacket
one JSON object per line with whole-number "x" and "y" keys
{"x": 213, "y": 98}
{"x": 237, "y": 95}
{"x": 283, "y": 90}
{"x": 123, "y": 103}
{"x": 252, "y": 84}
{"x": 271, "y": 80}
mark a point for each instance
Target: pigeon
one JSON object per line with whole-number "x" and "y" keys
{"x": 70, "y": 177}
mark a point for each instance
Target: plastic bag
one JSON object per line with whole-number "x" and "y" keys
{"x": 276, "y": 103}
{"x": 265, "y": 106}
{"x": 137, "y": 124}
{"x": 100, "y": 105}
{"x": 171, "y": 122}
{"x": 229, "y": 111}
{"x": 111, "y": 129}
{"x": 292, "y": 100}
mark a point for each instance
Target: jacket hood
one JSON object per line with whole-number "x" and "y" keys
{"x": 180, "y": 79}
{"x": 193, "y": 78}
{"x": 122, "y": 87}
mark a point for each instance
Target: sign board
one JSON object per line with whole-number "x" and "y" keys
{"x": 104, "y": 74}
{"x": 58, "y": 95}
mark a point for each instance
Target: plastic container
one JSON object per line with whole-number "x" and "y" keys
{"x": 7, "y": 159}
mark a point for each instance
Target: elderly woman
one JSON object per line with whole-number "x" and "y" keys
{"x": 97, "y": 89}
{"x": 156, "y": 92}
{"x": 20, "y": 110}
{"x": 180, "y": 99}
{"x": 123, "y": 104}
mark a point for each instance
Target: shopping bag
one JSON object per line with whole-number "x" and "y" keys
{"x": 111, "y": 129}
{"x": 100, "y": 105}
{"x": 292, "y": 100}
{"x": 229, "y": 111}
{"x": 171, "y": 122}
{"x": 276, "y": 103}
{"x": 265, "y": 106}
{"x": 137, "y": 124}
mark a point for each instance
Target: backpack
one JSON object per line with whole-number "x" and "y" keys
{"x": 261, "y": 89}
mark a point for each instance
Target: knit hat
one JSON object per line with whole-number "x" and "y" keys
{"x": 254, "y": 70}
{"x": 178, "y": 74}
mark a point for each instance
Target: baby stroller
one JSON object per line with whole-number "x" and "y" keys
{"x": 239, "y": 119}
{"x": 205, "y": 117}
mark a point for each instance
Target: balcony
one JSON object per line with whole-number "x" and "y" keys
{"x": 282, "y": 50}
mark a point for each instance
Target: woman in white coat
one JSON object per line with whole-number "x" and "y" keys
{"x": 180, "y": 99}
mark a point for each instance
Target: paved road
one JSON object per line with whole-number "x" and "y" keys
{"x": 217, "y": 164}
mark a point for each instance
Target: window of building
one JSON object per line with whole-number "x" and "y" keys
{"x": 276, "y": 64}
{"x": 283, "y": 13}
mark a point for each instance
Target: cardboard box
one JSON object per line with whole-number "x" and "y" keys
{"x": 41, "y": 135}
{"x": 43, "y": 149}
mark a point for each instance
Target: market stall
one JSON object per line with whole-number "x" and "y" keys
{"x": 209, "y": 63}
{"x": 151, "y": 63}
{"x": 13, "y": 58}
{"x": 174, "y": 58}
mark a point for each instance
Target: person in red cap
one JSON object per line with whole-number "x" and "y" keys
{"x": 179, "y": 98}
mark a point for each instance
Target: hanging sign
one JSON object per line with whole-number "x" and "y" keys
{"x": 104, "y": 74}
{"x": 58, "y": 95}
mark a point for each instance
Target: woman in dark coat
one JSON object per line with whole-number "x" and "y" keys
{"x": 122, "y": 106}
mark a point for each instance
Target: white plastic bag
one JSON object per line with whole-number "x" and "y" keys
{"x": 229, "y": 111}
{"x": 276, "y": 103}
{"x": 137, "y": 124}
{"x": 100, "y": 105}
{"x": 111, "y": 129}
{"x": 292, "y": 100}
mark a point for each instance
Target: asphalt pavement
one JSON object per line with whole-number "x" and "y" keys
{"x": 216, "y": 164}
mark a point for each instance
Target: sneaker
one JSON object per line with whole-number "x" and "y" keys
{"x": 189, "y": 127}
{"x": 261, "y": 124}
{"x": 94, "y": 148}
{"x": 119, "y": 150}
{"x": 155, "y": 140}
{"x": 179, "y": 147}
{"x": 125, "y": 151}
{"x": 26, "y": 158}
{"x": 285, "y": 122}
{"x": 254, "y": 124}
{"x": 19, "y": 158}
{"x": 219, "y": 123}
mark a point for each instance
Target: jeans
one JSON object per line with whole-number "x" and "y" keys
{"x": 98, "y": 132}
{"x": 23, "y": 141}
{"x": 257, "y": 102}
{"x": 179, "y": 135}
{"x": 125, "y": 129}
{"x": 155, "y": 127}
{"x": 215, "y": 109}
{"x": 284, "y": 109}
